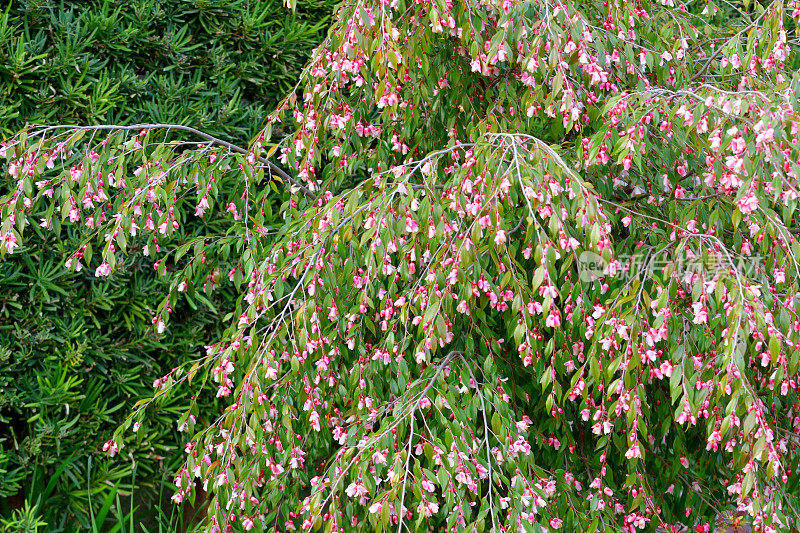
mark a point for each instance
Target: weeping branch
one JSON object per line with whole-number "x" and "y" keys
{"x": 194, "y": 131}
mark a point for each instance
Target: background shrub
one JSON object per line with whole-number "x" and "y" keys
{"x": 219, "y": 65}
{"x": 76, "y": 352}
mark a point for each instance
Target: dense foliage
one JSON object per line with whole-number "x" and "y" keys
{"x": 538, "y": 270}
{"x": 220, "y": 65}
{"x": 76, "y": 352}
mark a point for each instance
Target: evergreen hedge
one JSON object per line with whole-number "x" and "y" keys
{"x": 219, "y": 65}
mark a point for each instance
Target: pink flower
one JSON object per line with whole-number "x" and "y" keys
{"x": 382, "y": 355}
{"x": 548, "y": 291}
{"x": 313, "y": 418}
{"x": 747, "y": 204}
{"x": 633, "y": 451}
{"x": 556, "y": 523}
{"x": 553, "y": 320}
{"x": 713, "y": 440}
{"x": 10, "y": 241}
{"x": 75, "y": 173}
{"x": 103, "y": 270}
{"x": 500, "y": 237}
{"x": 201, "y": 206}
{"x": 526, "y": 253}
{"x": 110, "y": 447}
{"x": 428, "y": 509}
{"x": 700, "y": 313}
{"x": 356, "y": 488}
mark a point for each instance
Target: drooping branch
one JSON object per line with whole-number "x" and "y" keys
{"x": 194, "y": 131}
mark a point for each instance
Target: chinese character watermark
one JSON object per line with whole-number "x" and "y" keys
{"x": 593, "y": 266}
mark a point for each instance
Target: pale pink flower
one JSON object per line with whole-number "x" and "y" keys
{"x": 110, "y": 447}
{"x": 633, "y": 451}
{"x": 103, "y": 270}
{"x": 201, "y": 206}
{"x": 553, "y": 320}
{"x": 700, "y": 313}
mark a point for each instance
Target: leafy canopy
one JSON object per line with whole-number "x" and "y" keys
{"x": 538, "y": 270}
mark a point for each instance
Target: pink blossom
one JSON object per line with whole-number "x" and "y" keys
{"x": 553, "y": 319}
{"x": 428, "y": 509}
{"x": 10, "y": 241}
{"x": 110, "y": 447}
{"x": 201, "y": 206}
{"x": 75, "y": 173}
{"x": 748, "y": 203}
{"x": 700, "y": 313}
{"x": 103, "y": 270}
{"x": 633, "y": 451}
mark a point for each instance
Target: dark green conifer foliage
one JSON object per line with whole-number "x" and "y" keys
{"x": 219, "y": 65}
